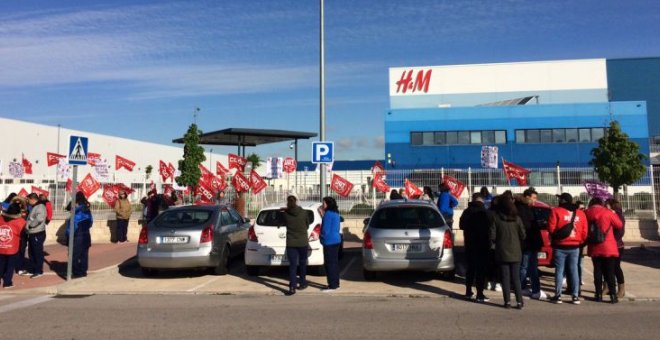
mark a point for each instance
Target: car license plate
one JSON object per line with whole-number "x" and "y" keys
{"x": 406, "y": 247}
{"x": 174, "y": 239}
{"x": 542, "y": 256}
{"x": 278, "y": 258}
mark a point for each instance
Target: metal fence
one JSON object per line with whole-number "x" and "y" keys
{"x": 638, "y": 199}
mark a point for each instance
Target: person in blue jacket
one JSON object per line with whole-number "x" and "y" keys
{"x": 446, "y": 204}
{"x": 331, "y": 241}
{"x": 82, "y": 240}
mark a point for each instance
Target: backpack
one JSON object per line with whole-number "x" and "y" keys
{"x": 565, "y": 230}
{"x": 595, "y": 235}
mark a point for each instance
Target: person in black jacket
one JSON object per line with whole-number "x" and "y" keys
{"x": 475, "y": 223}
{"x": 532, "y": 245}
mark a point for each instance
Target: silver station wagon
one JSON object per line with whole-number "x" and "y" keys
{"x": 407, "y": 235}
{"x": 192, "y": 237}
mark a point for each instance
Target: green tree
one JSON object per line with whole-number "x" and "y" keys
{"x": 254, "y": 160}
{"x": 617, "y": 160}
{"x": 193, "y": 155}
{"x": 148, "y": 169}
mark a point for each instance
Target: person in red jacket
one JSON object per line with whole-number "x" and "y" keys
{"x": 11, "y": 227}
{"x": 567, "y": 250}
{"x": 604, "y": 255}
{"x": 49, "y": 207}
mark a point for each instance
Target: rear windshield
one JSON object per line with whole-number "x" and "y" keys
{"x": 181, "y": 218}
{"x": 541, "y": 215}
{"x": 406, "y": 218}
{"x": 274, "y": 218}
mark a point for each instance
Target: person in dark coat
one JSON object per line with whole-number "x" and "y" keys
{"x": 297, "y": 243}
{"x": 615, "y": 205}
{"x": 507, "y": 233}
{"x": 532, "y": 245}
{"x": 475, "y": 223}
{"x": 394, "y": 195}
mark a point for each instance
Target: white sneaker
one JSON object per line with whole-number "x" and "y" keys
{"x": 329, "y": 290}
{"x": 539, "y": 296}
{"x": 498, "y": 287}
{"x": 24, "y": 273}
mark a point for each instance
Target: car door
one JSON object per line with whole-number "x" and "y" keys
{"x": 241, "y": 231}
{"x": 227, "y": 229}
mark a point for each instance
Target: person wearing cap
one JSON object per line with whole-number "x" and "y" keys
{"x": 123, "y": 210}
{"x": 11, "y": 228}
{"x": 566, "y": 250}
{"x": 297, "y": 243}
{"x": 36, "y": 229}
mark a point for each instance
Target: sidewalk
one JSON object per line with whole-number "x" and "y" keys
{"x": 101, "y": 256}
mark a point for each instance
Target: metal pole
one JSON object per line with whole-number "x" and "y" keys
{"x": 322, "y": 102}
{"x": 470, "y": 191}
{"x": 295, "y": 148}
{"x": 56, "y": 183}
{"x": 74, "y": 188}
{"x": 655, "y": 211}
{"x": 558, "y": 180}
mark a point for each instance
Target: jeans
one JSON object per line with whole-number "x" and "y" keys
{"x": 511, "y": 270}
{"x": 297, "y": 257}
{"x": 7, "y": 263}
{"x": 122, "y": 230}
{"x": 36, "y": 251}
{"x": 331, "y": 264}
{"x": 81, "y": 242}
{"x": 566, "y": 259}
{"x": 604, "y": 266}
{"x": 530, "y": 266}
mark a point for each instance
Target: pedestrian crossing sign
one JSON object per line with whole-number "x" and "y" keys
{"x": 78, "y": 147}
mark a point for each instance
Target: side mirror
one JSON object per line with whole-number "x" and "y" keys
{"x": 366, "y": 221}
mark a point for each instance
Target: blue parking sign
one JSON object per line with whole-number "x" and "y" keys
{"x": 78, "y": 147}
{"x": 323, "y": 152}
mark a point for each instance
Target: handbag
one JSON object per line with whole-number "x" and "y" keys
{"x": 595, "y": 235}
{"x": 565, "y": 231}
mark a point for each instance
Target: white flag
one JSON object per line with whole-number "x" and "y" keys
{"x": 489, "y": 157}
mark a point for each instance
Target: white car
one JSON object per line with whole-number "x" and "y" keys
{"x": 266, "y": 245}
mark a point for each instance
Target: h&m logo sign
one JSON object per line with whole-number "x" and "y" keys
{"x": 420, "y": 84}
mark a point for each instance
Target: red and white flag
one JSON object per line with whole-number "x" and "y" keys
{"x": 89, "y": 185}
{"x": 377, "y": 168}
{"x": 119, "y": 187}
{"x": 69, "y": 184}
{"x": 27, "y": 165}
{"x": 53, "y": 158}
{"x": 514, "y": 171}
{"x": 171, "y": 170}
{"x": 237, "y": 162}
{"x": 341, "y": 186}
{"x": 39, "y": 191}
{"x": 220, "y": 169}
{"x": 23, "y": 193}
{"x": 456, "y": 187}
{"x": 412, "y": 191}
{"x": 168, "y": 189}
{"x": 204, "y": 192}
{"x": 289, "y": 165}
{"x": 110, "y": 194}
{"x": 93, "y": 158}
{"x": 379, "y": 183}
{"x": 240, "y": 183}
{"x": 121, "y": 162}
{"x": 256, "y": 182}
{"x": 163, "y": 170}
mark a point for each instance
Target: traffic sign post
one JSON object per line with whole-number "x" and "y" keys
{"x": 323, "y": 152}
{"x": 77, "y": 155}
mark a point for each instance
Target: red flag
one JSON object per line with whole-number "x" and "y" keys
{"x": 237, "y": 162}
{"x": 289, "y": 165}
{"x": 23, "y": 193}
{"x": 341, "y": 185}
{"x": 110, "y": 194}
{"x": 27, "y": 165}
{"x": 379, "y": 183}
{"x": 53, "y": 158}
{"x": 69, "y": 184}
{"x": 39, "y": 191}
{"x": 413, "y": 191}
{"x": 206, "y": 173}
{"x": 240, "y": 183}
{"x": 121, "y": 162}
{"x": 256, "y": 182}
{"x": 168, "y": 189}
{"x": 163, "y": 170}
{"x": 514, "y": 171}
{"x": 377, "y": 168}
{"x": 119, "y": 187}
{"x": 204, "y": 192}
{"x": 93, "y": 158}
{"x": 171, "y": 170}
{"x": 455, "y": 186}
{"x": 220, "y": 169}
{"x": 89, "y": 185}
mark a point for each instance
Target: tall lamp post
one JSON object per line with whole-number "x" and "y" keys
{"x": 322, "y": 102}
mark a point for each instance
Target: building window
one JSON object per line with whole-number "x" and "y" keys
{"x": 572, "y": 135}
{"x": 520, "y": 136}
{"x": 500, "y": 137}
{"x": 9, "y": 181}
{"x": 597, "y": 133}
{"x": 452, "y": 137}
{"x": 532, "y": 136}
{"x": 427, "y": 138}
{"x": 546, "y": 136}
{"x": 416, "y": 138}
{"x": 440, "y": 138}
{"x": 558, "y": 135}
{"x": 463, "y": 137}
{"x": 488, "y": 137}
{"x": 475, "y": 137}
{"x": 585, "y": 135}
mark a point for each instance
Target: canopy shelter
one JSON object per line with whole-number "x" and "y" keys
{"x": 250, "y": 137}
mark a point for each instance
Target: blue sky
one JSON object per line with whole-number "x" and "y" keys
{"x": 137, "y": 69}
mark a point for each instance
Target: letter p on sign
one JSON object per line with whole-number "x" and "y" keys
{"x": 323, "y": 152}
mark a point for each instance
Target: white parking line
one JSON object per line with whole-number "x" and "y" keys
{"x": 203, "y": 284}
{"x": 24, "y": 303}
{"x": 348, "y": 266}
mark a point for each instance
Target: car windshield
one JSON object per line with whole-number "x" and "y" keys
{"x": 182, "y": 218}
{"x": 406, "y": 218}
{"x": 541, "y": 215}
{"x": 274, "y": 218}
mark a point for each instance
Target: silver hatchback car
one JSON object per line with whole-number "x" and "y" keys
{"x": 407, "y": 235}
{"x": 192, "y": 237}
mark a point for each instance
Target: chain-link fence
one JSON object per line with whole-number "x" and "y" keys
{"x": 638, "y": 199}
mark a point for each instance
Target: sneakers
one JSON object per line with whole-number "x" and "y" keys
{"x": 8, "y": 287}
{"x": 34, "y": 276}
{"x": 290, "y": 292}
{"x": 520, "y": 305}
{"x": 482, "y": 299}
{"x": 329, "y": 290}
{"x": 539, "y": 296}
{"x": 556, "y": 299}
{"x": 498, "y": 287}
{"x": 24, "y": 273}
{"x": 468, "y": 296}
{"x": 302, "y": 287}
{"x": 575, "y": 300}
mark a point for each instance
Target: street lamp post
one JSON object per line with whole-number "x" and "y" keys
{"x": 322, "y": 101}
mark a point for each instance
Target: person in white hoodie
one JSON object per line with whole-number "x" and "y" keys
{"x": 36, "y": 229}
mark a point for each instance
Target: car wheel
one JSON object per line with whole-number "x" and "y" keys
{"x": 368, "y": 275}
{"x": 223, "y": 266}
{"x": 252, "y": 270}
{"x": 448, "y": 276}
{"x": 148, "y": 271}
